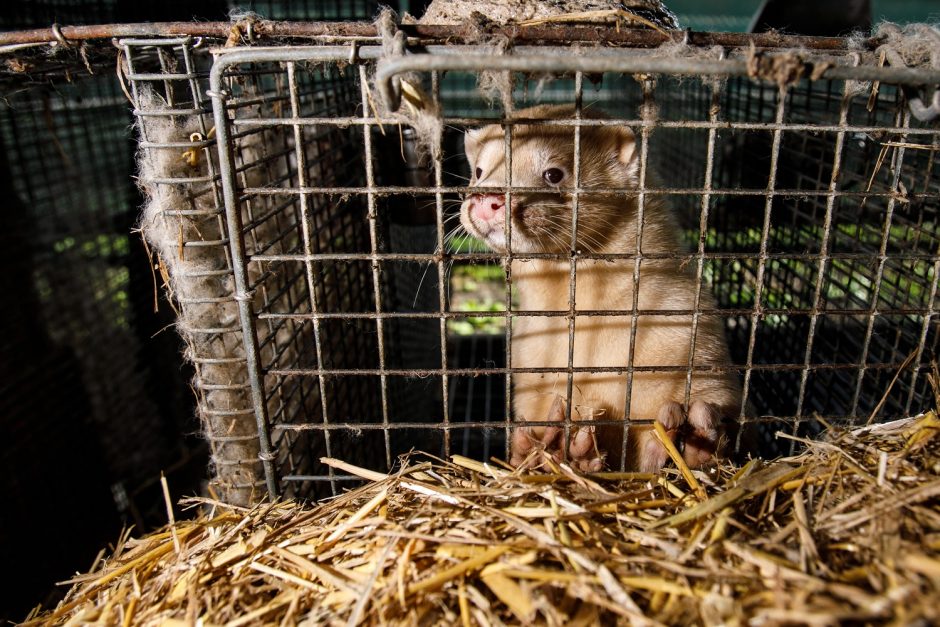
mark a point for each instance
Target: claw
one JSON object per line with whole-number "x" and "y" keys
{"x": 651, "y": 456}
{"x": 523, "y": 443}
{"x": 582, "y": 446}
{"x": 701, "y": 438}
{"x": 695, "y": 434}
{"x": 582, "y": 442}
{"x": 524, "y": 439}
{"x": 556, "y": 413}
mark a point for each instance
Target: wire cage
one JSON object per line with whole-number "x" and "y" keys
{"x": 327, "y": 309}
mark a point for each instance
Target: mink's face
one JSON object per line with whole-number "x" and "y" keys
{"x": 541, "y": 187}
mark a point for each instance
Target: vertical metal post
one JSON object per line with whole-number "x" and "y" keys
{"x": 442, "y": 289}
{"x": 240, "y": 271}
{"x": 507, "y": 262}
{"x": 931, "y": 303}
{"x": 703, "y": 233}
{"x": 373, "y": 218}
{"x": 823, "y": 258}
{"x": 902, "y": 121}
{"x": 302, "y": 181}
{"x": 573, "y": 260}
{"x": 635, "y": 305}
{"x": 758, "y": 310}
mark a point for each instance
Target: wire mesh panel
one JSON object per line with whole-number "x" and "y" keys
{"x": 320, "y": 326}
{"x": 850, "y": 279}
{"x": 190, "y": 232}
{"x": 360, "y": 325}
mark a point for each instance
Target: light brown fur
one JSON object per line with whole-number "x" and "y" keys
{"x": 607, "y": 224}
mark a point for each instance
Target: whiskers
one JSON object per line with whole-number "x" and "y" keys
{"x": 556, "y": 229}
{"x": 447, "y": 204}
{"x": 458, "y": 176}
{"x": 456, "y": 240}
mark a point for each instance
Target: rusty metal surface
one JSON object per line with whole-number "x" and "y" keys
{"x": 265, "y": 29}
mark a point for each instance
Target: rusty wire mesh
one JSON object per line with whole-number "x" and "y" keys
{"x": 810, "y": 212}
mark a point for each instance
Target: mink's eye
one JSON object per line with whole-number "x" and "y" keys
{"x": 479, "y": 173}
{"x": 553, "y": 176}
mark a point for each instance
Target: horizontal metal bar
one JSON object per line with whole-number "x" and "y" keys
{"x": 476, "y": 372}
{"x": 161, "y": 76}
{"x": 437, "y": 425}
{"x": 234, "y": 56}
{"x": 462, "y": 315}
{"x": 146, "y": 33}
{"x": 217, "y": 360}
{"x": 228, "y": 412}
{"x": 497, "y": 257}
{"x": 210, "y": 243}
{"x": 143, "y": 42}
{"x": 346, "y": 121}
{"x": 204, "y": 273}
{"x": 498, "y": 422}
{"x": 208, "y": 330}
{"x": 214, "y": 387}
{"x": 176, "y": 145}
{"x": 219, "y": 437}
{"x": 205, "y": 300}
{"x": 159, "y": 180}
{"x": 393, "y": 190}
{"x": 304, "y": 478}
{"x": 166, "y": 113}
{"x": 191, "y": 213}
{"x": 389, "y": 70}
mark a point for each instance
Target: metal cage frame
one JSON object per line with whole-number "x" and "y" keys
{"x": 846, "y": 69}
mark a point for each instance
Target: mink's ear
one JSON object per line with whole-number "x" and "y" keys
{"x": 471, "y": 144}
{"x": 626, "y": 146}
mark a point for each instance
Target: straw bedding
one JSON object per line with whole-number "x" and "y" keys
{"x": 847, "y": 531}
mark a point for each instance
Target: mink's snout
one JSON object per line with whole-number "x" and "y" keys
{"x": 487, "y": 208}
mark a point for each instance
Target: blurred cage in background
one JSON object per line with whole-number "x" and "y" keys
{"x": 811, "y": 213}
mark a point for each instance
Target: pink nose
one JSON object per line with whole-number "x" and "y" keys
{"x": 487, "y": 207}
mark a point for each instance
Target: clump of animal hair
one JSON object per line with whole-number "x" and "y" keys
{"x": 202, "y": 284}
{"x": 416, "y": 109}
{"x": 917, "y": 44}
{"x": 674, "y": 49}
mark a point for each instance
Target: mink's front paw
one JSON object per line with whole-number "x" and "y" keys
{"x": 583, "y": 453}
{"x": 700, "y": 437}
{"x": 696, "y": 435}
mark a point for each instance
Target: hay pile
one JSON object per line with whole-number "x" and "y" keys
{"x": 848, "y": 531}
